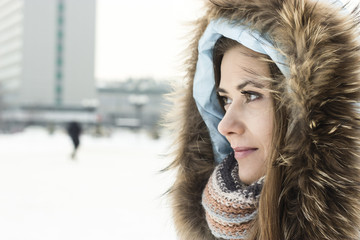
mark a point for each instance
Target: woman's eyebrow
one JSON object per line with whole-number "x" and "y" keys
{"x": 221, "y": 90}
{"x": 244, "y": 84}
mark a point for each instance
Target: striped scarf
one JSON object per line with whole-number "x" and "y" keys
{"x": 230, "y": 205}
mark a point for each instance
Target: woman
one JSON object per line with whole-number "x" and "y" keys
{"x": 272, "y": 103}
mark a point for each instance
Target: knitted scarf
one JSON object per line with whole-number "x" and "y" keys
{"x": 229, "y": 204}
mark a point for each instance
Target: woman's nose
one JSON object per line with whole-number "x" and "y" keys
{"x": 231, "y": 123}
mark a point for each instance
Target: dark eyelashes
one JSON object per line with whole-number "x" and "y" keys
{"x": 252, "y": 96}
{"x": 251, "y": 93}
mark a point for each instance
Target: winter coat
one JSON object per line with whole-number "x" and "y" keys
{"x": 319, "y": 42}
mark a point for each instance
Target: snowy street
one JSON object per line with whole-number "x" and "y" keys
{"x": 112, "y": 190}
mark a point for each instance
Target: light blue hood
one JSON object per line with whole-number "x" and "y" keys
{"x": 204, "y": 91}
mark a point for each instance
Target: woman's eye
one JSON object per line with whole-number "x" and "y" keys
{"x": 225, "y": 100}
{"x": 251, "y": 96}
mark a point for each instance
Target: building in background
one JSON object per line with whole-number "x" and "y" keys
{"x": 47, "y": 60}
{"x": 133, "y": 103}
{"x": 47, "y": 71}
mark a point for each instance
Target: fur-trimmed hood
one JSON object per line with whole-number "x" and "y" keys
{"x": 321, "y": 152}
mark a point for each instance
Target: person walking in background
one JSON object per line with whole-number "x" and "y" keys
{"x": 74, "y": 130}
{"x": 268, "y": 123}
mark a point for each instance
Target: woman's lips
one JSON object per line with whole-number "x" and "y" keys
{"x": 243, "y": 152}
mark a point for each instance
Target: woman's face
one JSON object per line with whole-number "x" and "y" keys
{"x": 248, "y": 120}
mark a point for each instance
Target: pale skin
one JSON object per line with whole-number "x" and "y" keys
{"x": 249, "y": 113}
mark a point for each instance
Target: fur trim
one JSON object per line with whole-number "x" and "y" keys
{"x": 321, "y": 191}
{"x": 193, "y": 157}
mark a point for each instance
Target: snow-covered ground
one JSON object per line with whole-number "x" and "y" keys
{"x": 113, "y": 190}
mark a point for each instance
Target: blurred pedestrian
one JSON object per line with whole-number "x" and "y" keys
{"x": 74, "y": 130}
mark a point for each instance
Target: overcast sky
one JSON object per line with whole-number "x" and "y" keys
{"x": 142, "y": 38}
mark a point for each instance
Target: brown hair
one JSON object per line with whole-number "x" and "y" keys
{"x": 267, "y": 225}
